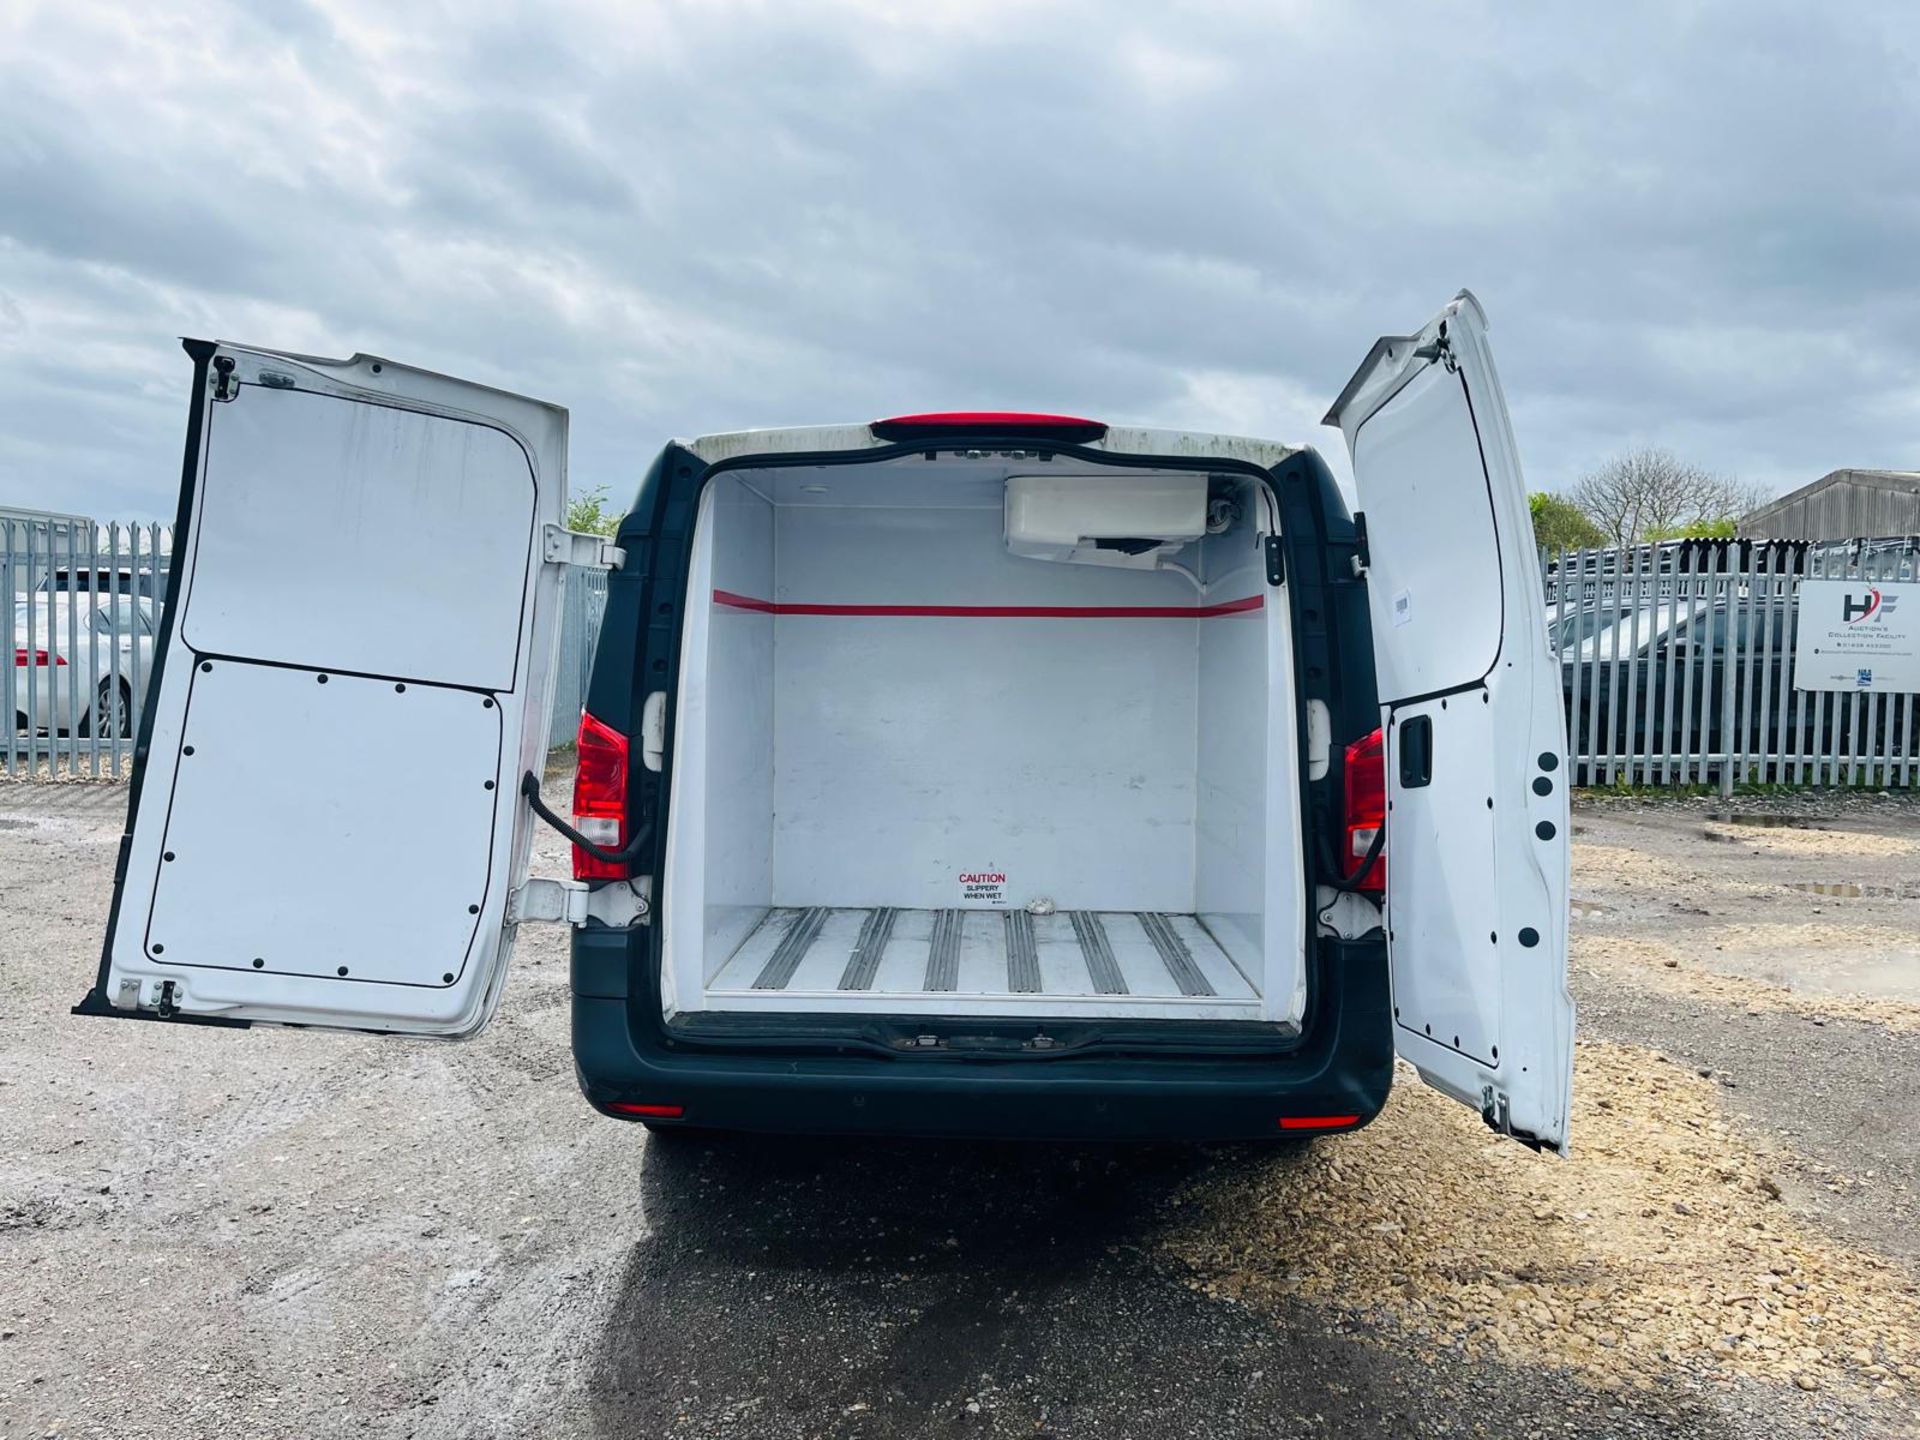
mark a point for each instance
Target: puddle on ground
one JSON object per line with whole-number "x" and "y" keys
{"x": 1771, "y": 821}
{"x": 1849, "y": 889}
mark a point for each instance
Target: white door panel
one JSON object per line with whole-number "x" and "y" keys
{"x": 1442, "y": 838}
{"x": 1437, "y": 599}
{"x": 326, "y": 823}
{"x": 264, "y": 882}
{"x": 302, "y": 489}
{"x": 1477, "y": 810}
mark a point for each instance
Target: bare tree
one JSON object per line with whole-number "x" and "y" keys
{"x": 1648, "y": 494}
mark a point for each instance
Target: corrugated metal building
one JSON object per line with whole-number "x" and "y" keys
{"x": 1841, "y": 506}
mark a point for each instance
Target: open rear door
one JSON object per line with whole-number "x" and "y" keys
{"x": 354, "y": 672}
{"x": 1477, "y": 840}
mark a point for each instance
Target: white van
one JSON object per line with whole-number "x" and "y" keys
{"x": 982, "y": 774}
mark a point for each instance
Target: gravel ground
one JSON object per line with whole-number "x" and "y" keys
{"x": 243, "y": 1234}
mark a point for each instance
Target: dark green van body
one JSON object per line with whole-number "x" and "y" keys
{"x": 957, "y": 1077}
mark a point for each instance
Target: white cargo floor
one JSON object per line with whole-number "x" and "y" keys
{"x": 1072, "y": 963}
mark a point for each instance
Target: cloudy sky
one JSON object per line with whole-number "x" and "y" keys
{"x": 1695, "y": 225}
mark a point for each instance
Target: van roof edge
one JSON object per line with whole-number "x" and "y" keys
{"x": 1119, "y": 439}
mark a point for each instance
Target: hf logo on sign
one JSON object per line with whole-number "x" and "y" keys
{"x": 1874, "y": 605}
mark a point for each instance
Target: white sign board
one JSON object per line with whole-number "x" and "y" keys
{"x": 1861, "y": 635}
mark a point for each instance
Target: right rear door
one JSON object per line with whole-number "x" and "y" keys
{"x": 1476, "y": 736}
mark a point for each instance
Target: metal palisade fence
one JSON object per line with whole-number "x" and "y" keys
{"x": 1677, "y": 667}
{"x": 584, "y": 602}
{"x": 83, "y": 619}
{"x": 1676, "y": 660}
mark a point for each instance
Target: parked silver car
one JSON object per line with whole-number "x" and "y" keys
{"x": 81, "y": 663}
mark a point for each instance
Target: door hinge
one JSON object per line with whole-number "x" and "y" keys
{"x": 620, "y": 905}
{"x": 1493, "y": 1110}
{"x": 1440, "y": 349}
{"x": 225, "y": 386}
{"x": 1362, "y": 551}
{"x": 1347, "y": 915}
{"x": 562, "y": 546}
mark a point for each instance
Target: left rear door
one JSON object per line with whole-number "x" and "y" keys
{"x": 353, "y": 672}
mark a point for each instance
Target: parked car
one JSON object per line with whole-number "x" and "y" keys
{"x": 143, "y": 581}
{"x": 952, "y": 774}
{"x": 80, "y": 663}
{"x": 1705, "y": 678}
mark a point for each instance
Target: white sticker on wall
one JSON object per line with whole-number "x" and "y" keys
{"x": 984, "y": 887}
{"x": 1402, "y": 607}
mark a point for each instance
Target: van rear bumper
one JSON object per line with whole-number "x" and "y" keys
{"x": 1343, "y": 1068}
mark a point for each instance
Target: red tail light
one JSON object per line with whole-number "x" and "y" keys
{"x": 600, "y": 799}
{"x": 647, "y": 1112}
{"x": 1366, "y": 810}
{"x": 36, "y": 657}
{"x": 1317, "y": 1122}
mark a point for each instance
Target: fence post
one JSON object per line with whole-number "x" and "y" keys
{"x": 1623, "y": 718}
{"x": 1556, "y": 646}
{"x": 1728, "y": 674}
{"x": 10, "y": 686}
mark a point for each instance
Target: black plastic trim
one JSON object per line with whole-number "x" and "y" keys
{"x": 95, "y": 1002}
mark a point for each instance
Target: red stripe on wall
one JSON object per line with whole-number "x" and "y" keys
{"x": 731, "y": 601}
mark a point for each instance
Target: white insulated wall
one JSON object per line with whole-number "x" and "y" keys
{"x": 1232, "y": 854}
{"x": 913, "y": 750}
{"x": 722, "y": 798}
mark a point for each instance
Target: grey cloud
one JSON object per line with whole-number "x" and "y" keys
{"x": 1692, "y": 225}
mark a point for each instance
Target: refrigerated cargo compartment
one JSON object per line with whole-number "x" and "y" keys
{"x": 918, "y": 773}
